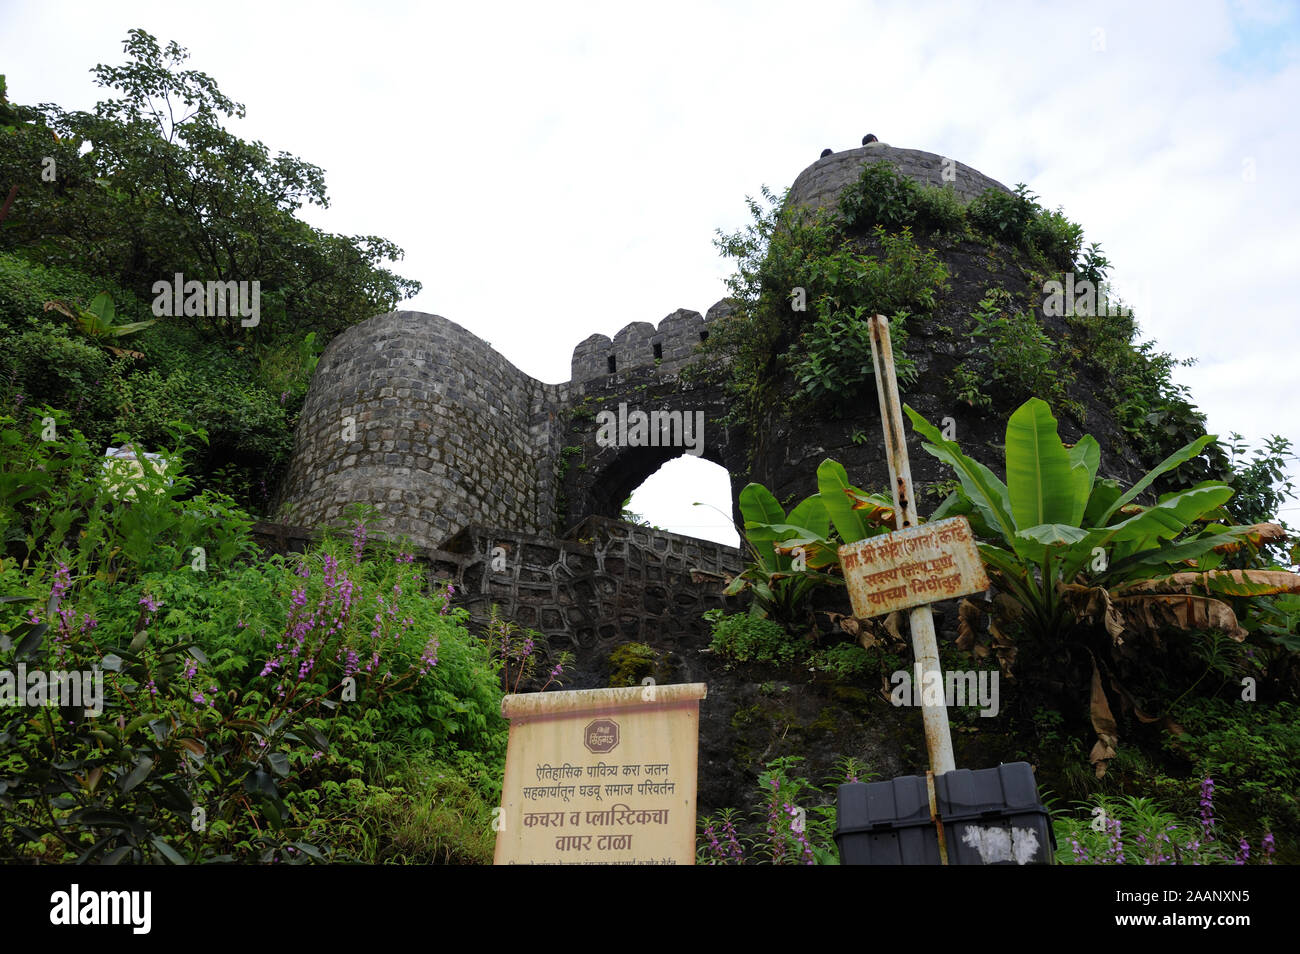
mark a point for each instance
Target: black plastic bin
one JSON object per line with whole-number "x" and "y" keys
{"x": 989, "y": 816}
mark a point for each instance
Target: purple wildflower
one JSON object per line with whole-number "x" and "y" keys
{"x": 1080, "y": 853}
{"x": 429, "y": 658}
{"x": 1207, "y": 809}
{"x": 358, "y": 541}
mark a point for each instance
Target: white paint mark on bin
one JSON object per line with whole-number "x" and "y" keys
{"x": 998, "y": 845}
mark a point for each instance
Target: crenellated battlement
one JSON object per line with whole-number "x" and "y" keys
{"x": 669, "y": 347}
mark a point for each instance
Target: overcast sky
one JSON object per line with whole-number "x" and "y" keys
{"x": 554, "y": 170}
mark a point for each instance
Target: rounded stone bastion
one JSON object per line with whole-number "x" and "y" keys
{"x": 819, "y": 185}
{"x": 426, "y": 422}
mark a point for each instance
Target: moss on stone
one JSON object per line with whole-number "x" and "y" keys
{"x": 631, "y": 662}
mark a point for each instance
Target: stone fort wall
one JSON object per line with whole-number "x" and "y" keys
{"x": 427, "y": 423}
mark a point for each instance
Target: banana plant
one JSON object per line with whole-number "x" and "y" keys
{"x": 794, "y": 553}
{"x": 1065, "y": 548}
{"x": 99, "y": 321}
{"x": 780, "y": 581}
{"x": 1054, "y": 530}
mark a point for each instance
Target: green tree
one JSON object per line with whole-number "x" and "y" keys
{"x": 165, "y": 189}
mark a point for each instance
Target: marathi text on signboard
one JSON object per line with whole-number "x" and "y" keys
{"x": 912, "y": 567}
{"x": 601, "y": 776}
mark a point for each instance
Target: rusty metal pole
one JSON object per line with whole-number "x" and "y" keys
{"x": 925, "y": 648}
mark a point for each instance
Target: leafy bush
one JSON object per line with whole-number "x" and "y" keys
{"x": 1248, "y": 748}
{"x": 764, "y": 338}
{"x": 249, "y": 432}
{"x": 835, "y": 360}
{"x": 880, "y": 197}
{"x": 1260, "y": 485}
{"x": 48, "y": 366}
{"x": 1017, "y": 219}
{"x": 1003, "y": 215}
{"x": 1057, "y": 239}
{"x": 245, "y": 706}
{"x": 883, "y": 198}
{"x": 1012, "y": 355}
{"x": 742, "y": 637}
{"x": 844, "y": 661}
{"x": 26, "y": 285}
{"x": 939, "y": 209}
{"x": 55, "y": 495}
{"x": 421, "y": 812}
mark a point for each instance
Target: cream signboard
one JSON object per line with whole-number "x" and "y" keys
{"x": 601, "y": 776}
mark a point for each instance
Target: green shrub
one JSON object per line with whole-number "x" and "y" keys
{"x": 745, "y": 638}
{"x": 1248, "y": 748}
{"x": 1056, "y": 238}
{"x": 1017, "y": 219}
{"x": 25, "y": 287}
{"x": 843, "y": 660}
{"x": 883, "y": 198}
{"x": 261, "y": 699}
{"x": 423, "y": 812}
{"x": 880, "y": 197}
{"x": 1003, "y": 215}
{"x": 939, "y": 209}
{"x": 834, "y": 361}
{"x": 631, "y": 662}
{"x": 49, "y": 366}
{"x": 1012, "y": 355}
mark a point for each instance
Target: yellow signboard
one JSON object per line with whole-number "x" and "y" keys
{"x": 601, "y": 776}
{"x": 912, "y": 567}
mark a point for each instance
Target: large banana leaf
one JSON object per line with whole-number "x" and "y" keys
{"x": 1175, "y": 459}
{"x": 986, "y": 492}
{"x": 1170, "y": 517}
{"x": 811, "y": 513}
{"x": 1171, "y": 554}
{"x": 833, "y": 486}
{"x": 1224, "y": 582}
{"x": 1104, "y": 494}
{"x": 1040, "y": 481}
{"x": 761, "y": 509}
{"x": 1085, "y": 458}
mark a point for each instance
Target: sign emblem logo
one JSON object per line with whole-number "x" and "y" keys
{"x": 600, "y": 736}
